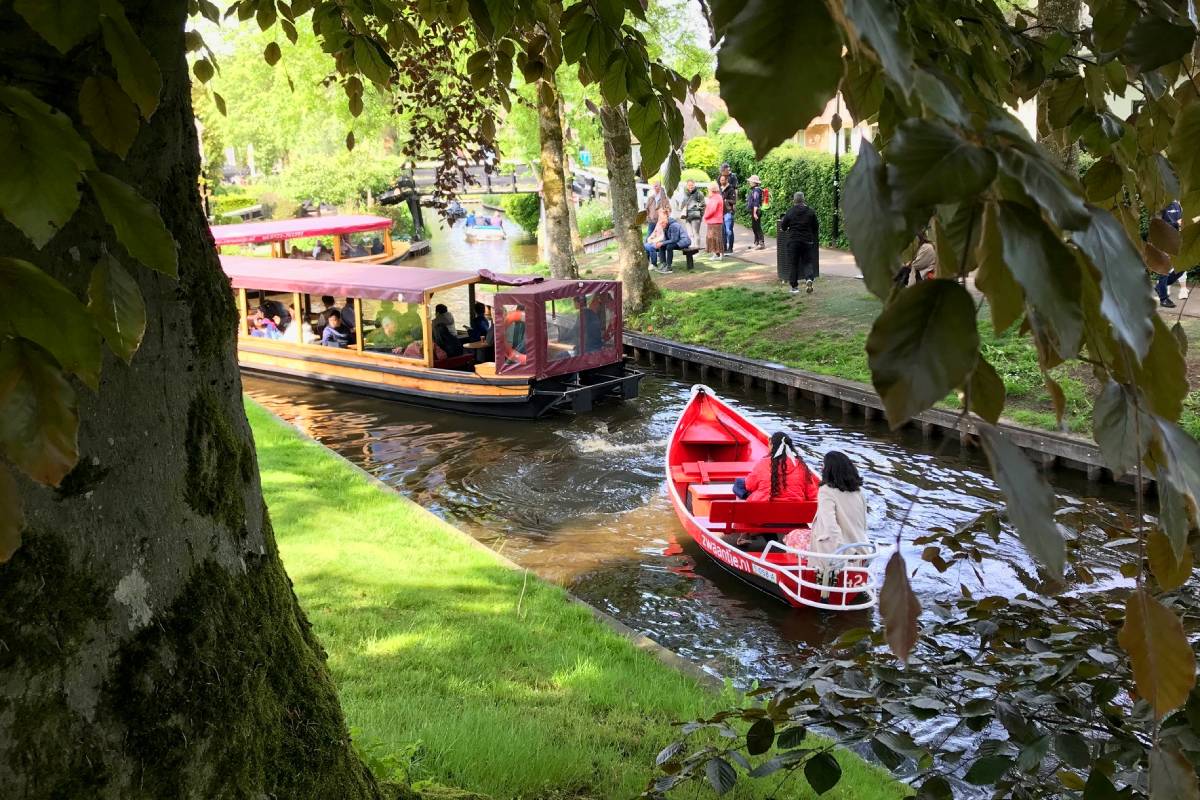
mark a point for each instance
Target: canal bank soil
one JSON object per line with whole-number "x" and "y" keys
{"x": 456, "y": 669}
{"x": 737, "y": 305}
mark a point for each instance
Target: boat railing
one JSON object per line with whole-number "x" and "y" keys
{"x": 850, "y": 561}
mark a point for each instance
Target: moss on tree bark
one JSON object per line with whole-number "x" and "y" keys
{"x": 554, "y": 184}
{"x": 151, "y": 645}
{"x": 634, "y": 267}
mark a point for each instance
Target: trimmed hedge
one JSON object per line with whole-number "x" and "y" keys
{"x": 703, "y": 154}
{"x": 787, "y": 169}
{"x": 701, "y": 177}
{"x": 525, "y": 210}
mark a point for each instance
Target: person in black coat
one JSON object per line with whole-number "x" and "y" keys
{"x": 799, "y": 235}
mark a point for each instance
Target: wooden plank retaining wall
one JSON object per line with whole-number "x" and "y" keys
{"x": 702, "y": 364}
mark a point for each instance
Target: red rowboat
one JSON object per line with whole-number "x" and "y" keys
{"x": 711, "y": 446}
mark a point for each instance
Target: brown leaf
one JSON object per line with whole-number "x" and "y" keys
{"x": 13, "y": 516}
{"x": 1172, "y": 776}
{"x": 1164, "y": 667}
{"x": 1156, "y": 259}
{"x": 1169, "y": 571}
{"x": 899, "y": 608}
{"x": 1164, "y": 236}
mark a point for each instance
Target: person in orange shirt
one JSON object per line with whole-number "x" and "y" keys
{"x": 780, "y": 475}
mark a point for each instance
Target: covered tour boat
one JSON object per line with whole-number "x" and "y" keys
{"x": 710, "y": 447}
{"x": 555, "y": 344}
{"x": 484, "y": 233}
{"x": 354, "y": 238}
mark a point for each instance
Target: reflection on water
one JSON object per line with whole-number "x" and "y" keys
{"x": 581, "y": 500}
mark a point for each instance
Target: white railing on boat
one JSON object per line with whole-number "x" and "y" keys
{"x": 854, "y": 562}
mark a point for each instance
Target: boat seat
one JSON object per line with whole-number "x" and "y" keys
{"x": 709, "y": 433}
{"x": 769, "y": 516}
{"x": 466, "y": 360}
{"x": 702, "y": 495}
{"x": 710, "y": 471}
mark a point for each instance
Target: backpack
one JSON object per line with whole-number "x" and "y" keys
{"x": 766, "y": 198}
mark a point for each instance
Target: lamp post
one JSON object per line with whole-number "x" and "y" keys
{"x": 836, "y": 124}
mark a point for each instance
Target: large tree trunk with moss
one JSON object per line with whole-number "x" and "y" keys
{"x": 150, "y": 642}
{"x": 572, "y": 209}
{"x": 639, "y": 289}
{"x": 554, "y": 184}
{"x": 1053, "y": 15}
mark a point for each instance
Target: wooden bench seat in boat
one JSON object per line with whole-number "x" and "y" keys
{"x": 770, "y": 516}
{"x": 710, "y": 471}
{"x": 456, "y": 362}
{"x": 710, "y": 433}
{"x": 702, "y": 495}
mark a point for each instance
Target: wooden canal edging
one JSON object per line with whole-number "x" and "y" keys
{"x": 703, "y": 364}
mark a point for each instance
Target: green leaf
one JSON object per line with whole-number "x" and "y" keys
{"x": 1162, "y": 374}
{"x": 109, "y": 114}
{"x": 721, "y": 775}
{"x": 822, "y": 771}
{"x": 613, "y": 86}
{"x": 646, "y": 122}
{"x": 668, "y": 753}
{"x": 930, "y": 163}
{"x": 922, "y": 346}
{"x": 1172, "y": 776}
{"x": 203, "y": 70}
{"x": 1184, "y": 150}
{"x": 611, "y": 12}
{"x": 1122, "y": 432}
{"x": 1103, "y": 180}
{"x": 1111, "y": 20}
{"x": 875, "y": 231}
{"x": 39, "y": 422}
{"x": 1164, "y": 667}
{"x": 43, "y": 157}
{"x": 1029, "y": 499}
{"x": 936, "y": 788}
{"x": 796, "y": 49}
{"x": 1046, "y": 184}
{"x": 986, "y": 391}
{"x": 670, "y": 173}
{"x": 1099, "y": 787}
{"x": 1170, "y": 571}
{"x": 1032, "y": 755}
{"x": 1003, "y": 293}
{"x": 988, "y": 770}
{"x": 13, "y": 518}
{"x": 138, "y": 225}
{"x": 115, "y": 302}
{"x": 137, "y": 71}
{"x": 1173, "y": 514}
{"x": 1046, "y": 270}
{"x": 1124, "y": 299}
{"x": 1154, "y": 42}
{"x": 1073, "y": 749}
{"x": 760, "y": 737}
{"x": 899, "y": 608}
{"x": 878, "y": 23}
{"x": 1066, "y": 98}
{"x": 62, "y": 23}
{"x": 272, "y": 53}
{"x": 51, "y": 317}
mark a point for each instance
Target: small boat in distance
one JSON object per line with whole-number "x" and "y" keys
{"x": 711, "y": 446}
{"x": 375, "y": 245}
{"x": 484, "y": 233}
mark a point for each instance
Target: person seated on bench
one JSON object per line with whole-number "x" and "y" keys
{"x": 841, "y": 512}
{"x": 778, "y": 476}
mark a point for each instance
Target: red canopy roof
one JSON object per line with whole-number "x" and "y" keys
{"x": 367, "y": 281}
{"x": 278, "y": 229}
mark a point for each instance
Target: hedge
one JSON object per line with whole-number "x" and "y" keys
{"x": 702, "y": 153}
{"x": 787, "y": 169}
{"x": 701, "y": 177}
{"x": 525, "y": 210}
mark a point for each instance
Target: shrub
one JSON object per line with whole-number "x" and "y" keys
{"x": 702, "y": 154}
{"x": 525, "y": 210}
{"x": 343, "y": 179}
{"x": 223, "y": 203}
{"x": 402, "y": 224}
{"x": 787, "y": 169}
{"x": 701, "y": 177}
{"x": 594, "y": 217}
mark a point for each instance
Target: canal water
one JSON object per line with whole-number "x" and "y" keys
{"x": 581, "y": 500}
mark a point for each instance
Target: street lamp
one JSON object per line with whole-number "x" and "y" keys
{"x": 836, "y": 124}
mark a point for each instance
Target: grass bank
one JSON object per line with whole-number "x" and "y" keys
{"x": 455, "y": 669}
{"x": 826, "y": 332}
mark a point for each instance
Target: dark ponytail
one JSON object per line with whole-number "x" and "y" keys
{"x": 779, "y": 457}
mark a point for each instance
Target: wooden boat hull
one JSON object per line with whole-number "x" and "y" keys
{"x": 448, "y": 390}
{"x": 732, "y": 446}
{"x": 484, "y": 234}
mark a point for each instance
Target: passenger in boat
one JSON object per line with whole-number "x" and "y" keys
{"x": 262, "y": 327}
{"x": 350, "y": 249}
{"x": 322, "y": 253}
{"x": 444, "y": 334}
{"x": 376, "y": 246}
{"x": 275, "y": 312}
{"x": 782, "y": 475}
{"x": 387, "y": 336}
{"x": 470, "y": 220}
{"x": 481, "y": 323}
{"x": 348, "y": 314}
{"x": 328, "y": 304}
{"x": 497, "y": 220}
{"x": 416, "y": 348}
{"x": 299, "y": 331}
{"x": 841, "y": 511}
{"x": 336, "y": 334}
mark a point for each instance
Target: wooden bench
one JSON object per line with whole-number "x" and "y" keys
{"x": 771, "y": 516}
{"x": 703, "y": 494}
{"x": 689, "y": 254}
{"x": 710, "y": 471}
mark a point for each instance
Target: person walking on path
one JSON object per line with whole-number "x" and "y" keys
{"x": 729, "y": 194}
{"x": 656, "y": 201}
{"x": 1173, "y": 216}
{"x": 691, "y": 210}
{"x": 799, "y": 234}
{"x": 714, "y": 212}
{"x": 754, "y": 204}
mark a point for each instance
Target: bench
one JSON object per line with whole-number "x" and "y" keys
{"x": 771, "y": 516}
{"x": 466, "y": 360}
{"x": 702, "y": 495}
{"x": 689, "y": 253}
{"x": 710, "y": 433}
{"x": 710, "y": 471}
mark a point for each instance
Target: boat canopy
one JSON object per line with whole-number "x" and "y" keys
{"x": 556, "y": 327}
{"x": 365, "y": 281}
{"x": 281, "y": 229}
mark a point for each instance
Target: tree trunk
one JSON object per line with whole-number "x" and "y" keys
{"x": 572, "y": 209}
{"x": 639, "y": 289}
{"x": 554, "y": 185}
{"x": 1055, "y": 14}
{"x": 150, "y": 642}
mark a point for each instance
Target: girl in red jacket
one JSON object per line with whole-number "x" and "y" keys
{"x": 782, "y": 475}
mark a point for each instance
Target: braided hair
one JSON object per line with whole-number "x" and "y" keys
{"x": 781, "y": 448}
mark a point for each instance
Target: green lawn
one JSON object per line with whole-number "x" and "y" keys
{"x": 826, "y": 332}
{"x": 457, "y": 670}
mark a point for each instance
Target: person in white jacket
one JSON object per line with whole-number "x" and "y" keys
{"x": 841, "y": 511}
